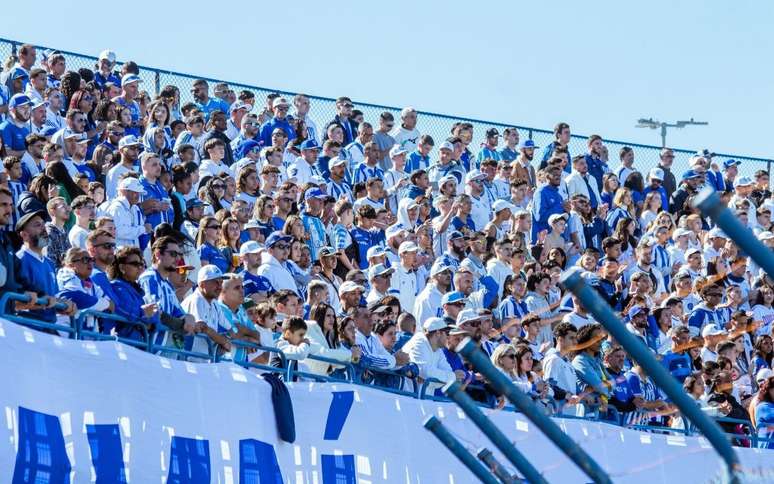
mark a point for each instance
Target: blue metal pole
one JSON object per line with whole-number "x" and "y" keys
{"x": 454, "y": 391}
{"x": 710, "y": 205}
{"x": 523, "y": 402}
{"x": 455, "y": 447}
{"x": 487, "y": 457}
{"x": 602, "y": 312}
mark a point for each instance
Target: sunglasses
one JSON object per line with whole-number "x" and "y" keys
{"x": 282, "y": 246}
{"x": 213, "y": 227}
{"x": 510, "y": 355}
{"x": 85, "y": 260}
{"x": 219, "y": 187}
{"x": 174, "y": 253}
{"x": 136, "y": 263}
{"x": 107, "y": 245}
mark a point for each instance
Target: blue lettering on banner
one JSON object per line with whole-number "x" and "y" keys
{"x": 258, "y": 463}
{"x": 338, "y": 413}
{"x": 106, "y": 453}
{"x": 338, "y": 469}
{"x": 41, "y": 456}
{"x": 189, "y": 461}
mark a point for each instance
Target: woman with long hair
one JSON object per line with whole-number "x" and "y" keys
{"x": 622, "y": 208}
{"x": 207, "y": 244}
{"x": 124, "y": 272}
{"x": 294, "y": 227}
{"x": 262, "y": 214}
{"x": 212, "y": 190}
{"x": 624, "y": 232}
{"x": 764, "y": 414}
{"x": 650, "y": 208}
{"x": 42, "y": 189}
{"x": 323, "y": 333}
{"x": 248, "y": 186}
{"x": 763, "y": 312}
{"x": 230, "y": 241}
{"x": 763, "y": 354}
{"x": 610, "y": 185}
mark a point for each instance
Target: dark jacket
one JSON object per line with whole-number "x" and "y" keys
{"x": 228, "y": 159}
{"x": 669, "y": 183}
{"x": 348, "y": 137}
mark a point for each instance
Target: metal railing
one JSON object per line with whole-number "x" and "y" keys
{"x": 435, "y": 124}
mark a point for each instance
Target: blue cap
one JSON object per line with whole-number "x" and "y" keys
{"x": 18, "y": 73}
{"x": 452, "y": 297}
{"x": 193, "y": 203}
{"x": 309, "y": 144}
{"x": 49, "y": 131}
{"x": 690, "y": 174}
{"x": 245, "y": 147}
{"x": 635, "y": 310}
{"x": 19, "y": 100}
{"x": 456, "y": 234}
{"x": 529, "y": 144}
{"x": 731, "y": 162}
{"x": 314, "y": 193}
{"x": 275, "y": 238}
{"x": 130, "y": 78}
{"x": 257, "y": 284}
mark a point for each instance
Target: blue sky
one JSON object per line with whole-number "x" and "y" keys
{"x": 597, "y": 65}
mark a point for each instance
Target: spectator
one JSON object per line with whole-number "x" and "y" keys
{"x": 203, "y": 306}
{"x": 58, "y": 244}
{"x": 425, "y": 350}
{"x": 406, "y": 135}
{"x": 128, "y": 295}
{"x": 322, "y": 331}
{"x": 14, "y": 129}
{"x": 592, "y": 377}
{"x": 764, "y": 414}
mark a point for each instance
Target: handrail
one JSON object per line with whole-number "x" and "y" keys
{"x": 455, "y": 447}
{"x": 285, "y": 370}
{"x": 35, "y": 323}
{"x": 81, "y": 318}
{"x": 348, "y": 366}
{"x": 209, "y": 356}
{"x": 487, "y": 457}
{"x": 634, "y": 346}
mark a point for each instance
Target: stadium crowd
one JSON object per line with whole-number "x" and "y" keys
{"x": 233, "y": 222}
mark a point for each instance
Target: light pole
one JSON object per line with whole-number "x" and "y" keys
{"x": 654, "y": 124}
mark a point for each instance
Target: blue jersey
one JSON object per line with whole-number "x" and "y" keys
{"x": 272, "y": 124}
{"x": 511, "y": 308}
{"x": 701, "y": 316}
{"x": 416, "y": 161}
{"x": 662, "y": 193}
{"x": 678, "y": 364}
{"x": 546, "y": 202}
{"x": 14, "y": 136}
{"x": 316, "y": 230}
{"x": 364, "y": 240}
{"x": 764, "y": 422}
{"x": 156, "y": 191}
{"x": 209, "y": 253}
{"x": 364, "y": 172}
{"x": 487, "y": 153}
{"x": 37, "y": 274}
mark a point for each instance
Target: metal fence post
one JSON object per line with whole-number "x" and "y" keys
{"x": 487, "y": 457}
{"x": 454, "y": 391}
{"x": 524, "y": 403}
{"x": 602, "y": 312}
{"x": 455, "y": 447}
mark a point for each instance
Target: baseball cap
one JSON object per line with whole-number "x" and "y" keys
{"x": 314, "y": 193}
{"x": 457, "y": 330}
{"x": 656, "y": 174}
{"x": 711, "y": 330}
{"x": 683, "y": 274}
{"x": 349, "y": 286}
{"x": 447, "y": 179}
{"x": 492, "y": 132}
{"x": 467, "y": 315}
{"x": 717, "y": 232}
{"x": 239, "y": 105}
{"x": 635, "y": 310}
{"x": 433, "y": 324}
{"x": 17, "y": 73}
{"x": 557, "y": 216}
{"x": 502, "y": 205}
{"x": 131, "y": 184}
{"x": 446, "y": 146}
{"x": 78, "y": 137}
{"x": 37, "y": 103}
{"x": 691, "y": 251}
{"x": 379, "y": 270}
{"x": 375, "y": 251}
{"x": 763, "y": 374}
{"x": 529, "y": 144}
{"x": 407, "y": 246}
{"x": 18, "y": 100}
{"x": 765, "y": 235}
{"x": 249, "y": 247}
{"x": 438, "y": 267}
{"x": 128, "y": 140}
{"x": 336, "y": 161}
{"x": 130, "y": 78}
{"x": 679, "y": 232}
{"x": 108, "y": 54}
{"x": 393, "y": 230}
{"x": 743, "y": 181}
{"x": 731, "y": 162}
{"x": 193, "y": 203}
{"x": 689, "y": 175}
{"x": 252, "y": 224}
{"x": 397, "y": 150}
{"x": 452, "y": 297}
{"x": 280, "y": 101}
{"x": 325, "y": 252}
{"x": 456, "y": 234}
{"x": 705, "y": 153}
{"x": 474, "y": 175}
{"x": 209, "y": 272}
{"x": 276, "y": 237}
{"x": 309, "y": 144}
{"x": 24, "y": 219}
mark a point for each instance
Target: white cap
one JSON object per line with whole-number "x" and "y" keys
{"x": 208, "y": 273}
{"x": 131, "y": 184}
{"x": 656, "y": 174}
{"x": 433, "y": 324}
{"x": 249, "y": 247}
{"x": 679, "y": 232}
{"x": 447, "y": 179}
{"x": 711, "y": 330}
{"x": 765, "y": 235}
{"x": 691, "y": 251}
{"x": 474, "y": 175}
{"x": 393, "y": 230}
{"x": 279, "y": 101}
{"x": 717, "y": 232}
{"x": 763, "y": 374}
{"x": 467, "y": 315}
{"x": 743, "y": 181}
{"x": 407, "y": 246}
{"x": 109, "y": 55}
{"x": 335, "y": 161}
{"x": 446, "y": 146}
{"x": 553, "y": 218}
{"x": 502, "y": 205}
{"x": 349, "y": 286}
{"x": 397, "y": 150}
{"x": 375, "y": 251}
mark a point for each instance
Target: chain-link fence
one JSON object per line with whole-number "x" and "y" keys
{"x": 436, "y": 125}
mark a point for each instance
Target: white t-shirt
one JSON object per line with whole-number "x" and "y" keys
{"x": 77, "y": 236}
{"x": 406, "y": 139}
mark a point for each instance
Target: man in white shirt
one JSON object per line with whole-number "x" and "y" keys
{"x": 129, "y": 148}
{"x": 396, "y": 179}
{"x": 305, "y": 166}
{"x": 373, "y": 349}
{"x": 481, "y": 210}
{"x": 203, "y": 305}
{"x": 126, "y": 213}
{"x": 213, "y": 165}
{"x": 580, "y": 182}
{"x": 356, "y": 149}
{"x": 273, "y": 262}
{"x": 237, "y": 111}
{"x": 557, "y": 368}
{"x": 406, "y": 135}
{"x": 404, "y": 279}
{"x": 424, "y": 350}
{"x": 379, "y": 275}
{"x": 428, "y": 302}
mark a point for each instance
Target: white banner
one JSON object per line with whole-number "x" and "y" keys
{"x": 100, "y": 411}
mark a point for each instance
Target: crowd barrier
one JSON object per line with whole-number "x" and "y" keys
{"x": 435, "y": 124}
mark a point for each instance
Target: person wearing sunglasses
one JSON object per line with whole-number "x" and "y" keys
{"x": 75, "y": 284}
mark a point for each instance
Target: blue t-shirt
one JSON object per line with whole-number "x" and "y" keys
{"x": 38, "y": 275}
{"x": 208, "y": 252}
{"x": 14, "y": 136}
{"x": 679, "y": 365}
{"x": 764, "y": 422}
{"x": 364, "y": 240}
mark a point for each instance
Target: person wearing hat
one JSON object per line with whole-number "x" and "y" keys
{"x": 446, "y": 165}
{"x": 480, "y": 208}
{"x": 126, "y": 213}
{"x": 655, "y": 182}
{"x": 380, "y": 277}
{"x": 272, "y": 265}
{"x": 396, "y": 179}
{"x": 194, "y": 211}
{"x": 689, "y": 184}
{"x": 488, "y": 149}
{"x": 337, "y": 183}
{"x": 15, "y": 128}
{"x": 310, "y": 216}
{"x": 428, "y": 302}
{"x": 203, "y": 305}
{"x": 425, "y": 351}
{"x": 129, "y": 150}
{"x": 237, "y": 113}
{"x": 743, "y": 187}
{"x": 305, "y": 166}
{"x": 707, "y": 313}
{"x": 404, "y": 279}
{"x": 279, "y": 120}
{"x": 350, "y": 294}
{"x": 522, "y": 169}
{"x": 130, "y": 90}
{"x": 250, "y": 254}
{"x": 716, "y": 240}
{"x": 104, "y": 71}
